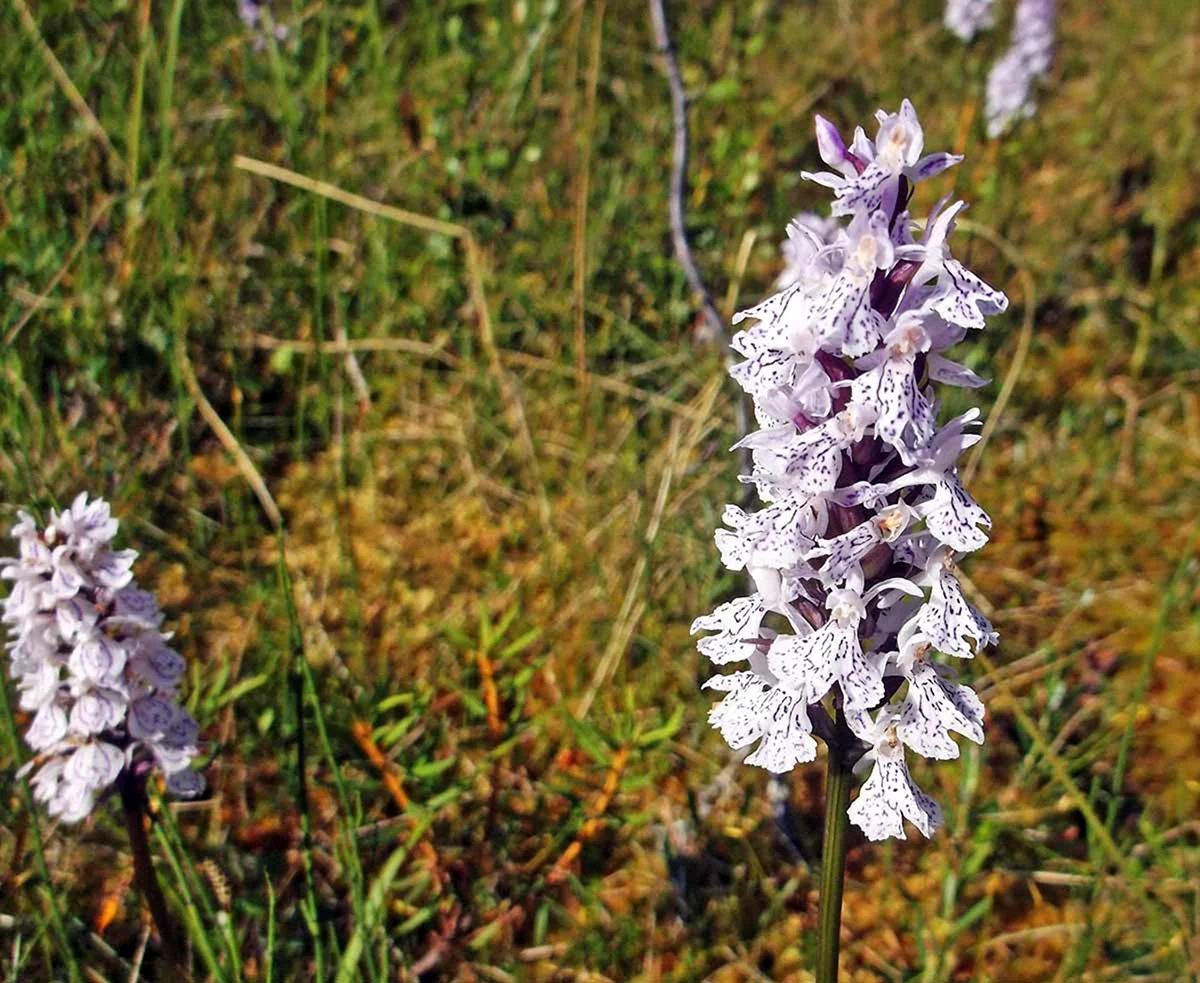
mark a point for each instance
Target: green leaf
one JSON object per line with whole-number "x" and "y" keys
{"x": 598, "y": 747}
{"x": 664, "y": 732}
{"x": 431, "y": 769}
{"x": 722, "y": 91}
{"x": 241, "y": 689}
{"x": 374, "y": 909}
{"x": 520, "y": 644}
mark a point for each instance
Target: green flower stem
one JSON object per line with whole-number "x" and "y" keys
{"x": 833, "y": 854}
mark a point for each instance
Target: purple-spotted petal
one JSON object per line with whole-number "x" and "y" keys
{"x": 49, "y": 726}
{"x": 100, "y": 659}
{"x": 963, "y": 298}
{"x": 932, "y": 708}
{"x": 737, "y": 624}
{"x": 951, "y": 622}
{"x": 185, "y": 783}
{"x": 954, "y": 517}
{"x": 931, "y": 165}
{"x": 890, "y": 796}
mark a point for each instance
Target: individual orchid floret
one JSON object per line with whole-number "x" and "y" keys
{"x": 853, "y": 554}
{"x": 878, "y": 166}
{"x": 846, "y": 552}
{"x": 807, "y": 235}
{"x": 91, "y": 664}
{"x": 736, "y": 624}
{"x": 890, "y": 389}
{"x": 759, "y": 707}
{"x": 889, "y": 795}
{"x": 778, "y": 536}
{"x": 844, "y": 317}
{"x": 809, "y": 460}
{"x": 781, "y": 342}
{"x": 960, "y": 297}
{"x": 814, "y": 662}
{"x": 804, "y": 403}
{"x": 948, "y": 619}
{"x": 966, "y": 18}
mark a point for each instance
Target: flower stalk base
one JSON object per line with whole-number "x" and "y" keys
{"x": 133, "y": 807}
{"x": 833, "y": 856}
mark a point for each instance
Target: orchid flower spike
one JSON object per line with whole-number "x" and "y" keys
{"x": 91, "y": 663}
{"x": 1028, "y": 58}
{"x": 864, "y": 513}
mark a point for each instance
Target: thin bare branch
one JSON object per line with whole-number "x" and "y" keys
{"x": 714, "y": 323}
{"x": 683, "y": 250}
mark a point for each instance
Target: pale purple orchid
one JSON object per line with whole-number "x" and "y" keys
{"x": 91, "y": 663}
{"x": 1029, "y": 57}
{"x": 966, "y": 18}
{"x": 864, "y": 510}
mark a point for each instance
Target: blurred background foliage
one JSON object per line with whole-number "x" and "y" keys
{"x": 496, "y": 538}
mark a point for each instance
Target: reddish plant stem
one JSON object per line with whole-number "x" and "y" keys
{"x": 133, "y": 806}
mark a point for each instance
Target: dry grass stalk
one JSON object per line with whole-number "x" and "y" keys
{"x": 474, "y": 263}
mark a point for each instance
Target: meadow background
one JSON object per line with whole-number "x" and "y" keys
{"x": 496, "y": 517}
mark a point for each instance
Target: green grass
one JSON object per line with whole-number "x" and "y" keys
{"x": 492, "y": 543}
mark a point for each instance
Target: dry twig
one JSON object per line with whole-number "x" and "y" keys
{"x": 227, "y": 439}
{"x": 683, "y": 250}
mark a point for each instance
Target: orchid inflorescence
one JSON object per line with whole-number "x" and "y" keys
{"x": 1028, "y": 58}
{"x": 91, "y": 663}
{"x": 852, "y": 555}
{"x": 251, "y": 15}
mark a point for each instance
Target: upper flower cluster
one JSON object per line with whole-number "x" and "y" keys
{"x": 250, "y": 12}
{"x": 91, "y": 663}
{"x": 965, "y": 18}
{"x": 864, "y": 512}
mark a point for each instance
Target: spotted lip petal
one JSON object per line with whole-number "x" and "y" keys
{"x": 758, "y": 708}
{"x": 951, "y": 622}
{"x": 734, "y": 622}
{"x": 932, "y": 708}
{"x": 888, "y": 798}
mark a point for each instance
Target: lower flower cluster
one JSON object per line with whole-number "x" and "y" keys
{"x": 91, "y": 663}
